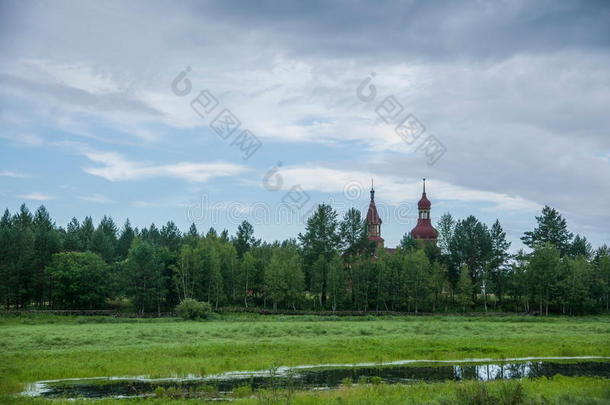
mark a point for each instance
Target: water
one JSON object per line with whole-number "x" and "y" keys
{"x": 320, "y": 377}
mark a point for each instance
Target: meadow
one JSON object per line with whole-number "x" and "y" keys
{"x": 48, "y": 347}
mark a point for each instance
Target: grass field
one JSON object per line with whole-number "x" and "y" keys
{"x": 48, "y": 347}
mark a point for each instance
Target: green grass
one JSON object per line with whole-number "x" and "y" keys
{"x": 47, "y": 347}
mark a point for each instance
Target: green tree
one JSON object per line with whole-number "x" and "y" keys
{"x": 104, "y": 240}
{"x": 439, "y": 283}
{"x": 229, "y": 268}
{"x": 144, "y": 270}
{"x": 336, "y": 282}
{"x": 408, "y": 243}
{"x": 543, "y": 274}
{"x": 445, "y": 227}
{"x": 498, "y": 258}
{"x": 319, "y": 244}
{"x": 551, "y": 228}
{"x": 244, "y": 238}
{"x": 8, "y": 257}
{"x": 87, "y": 229}
{"x": 72, "y": 239}
{"x": 602, "y": 278}
{"x": 78, "y": 280}
{"x": 353, "y": 232}
{"x": 247, "y": 271}
{"x": 471, "y": 245}
{"x": 283, "y": 277}
{"x": 464, "y": 288}
{"x": 46, "y": 243}
{"x": 171, "y": 237}
{"x": 23, "y": 257}
{"x": 186, "y": 271}
{"x": 580, "y": 246}
{"x": 416, "y": 279}
{"x": 576, "y": 286}
{"x": 125, "y": 240}
{"x": 211, "y": 281}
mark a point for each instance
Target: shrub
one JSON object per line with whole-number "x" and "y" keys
{"x": 480, "y": 393}
{"x": 192, "y": 309}
{"x": 376, "y": 380}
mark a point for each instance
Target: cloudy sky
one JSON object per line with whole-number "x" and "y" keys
{"x": 507, "y": 106}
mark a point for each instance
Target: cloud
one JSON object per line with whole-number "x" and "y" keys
{"x": 23, "y": 139}
{"x": 517, "y": 91}
{"x": 114, "y": 167}
{"x": 97, "y": 198}
{"x": 36, "y": 196}
{"x": 395, "y": 190}
{"x": 10, "y": 173}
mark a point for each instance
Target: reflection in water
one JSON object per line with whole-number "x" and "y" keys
{"x": 316, "y": 377}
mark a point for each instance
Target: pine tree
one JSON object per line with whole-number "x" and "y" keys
{"x": 471, "y": 245}
{"x": 170, "y": 237}
{"x": 145, "y": 276}
{"x": 319, "y": 244}
{"x": 580, "y": 246}
{"x": 499, "y": 256}
{"x": 72, "y": 239}
{"x": 104, "y": 240}
{"x": 244, "y": 238}
{"x": 353, "y": 232}
{"x": 125, "y": 240}
{"x": 46, "y": 243}
{"x": 86, "y": 231}
{"x": 551, "y": 228}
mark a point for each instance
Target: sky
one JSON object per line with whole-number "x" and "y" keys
{"x": 219, "y": 112}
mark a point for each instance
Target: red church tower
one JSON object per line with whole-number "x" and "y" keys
{"x": 424, "y": 230}
{"x": 373, "y": 222}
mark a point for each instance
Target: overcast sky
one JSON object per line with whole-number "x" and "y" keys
{"x": 514, "y": 96}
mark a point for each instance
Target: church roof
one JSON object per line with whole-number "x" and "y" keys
{"x": 424, "y": 203}
{"x": 372, "y": 217}
{"x": 424, "y": 230}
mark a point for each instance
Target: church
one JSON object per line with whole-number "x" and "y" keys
{"x": 423, "y": 231}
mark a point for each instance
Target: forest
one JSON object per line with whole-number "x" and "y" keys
{"x": 330, "y": 266}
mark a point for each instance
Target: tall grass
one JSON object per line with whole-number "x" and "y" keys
{"x": 59, "y": 347}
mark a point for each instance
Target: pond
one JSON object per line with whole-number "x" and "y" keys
{"x": 323, "y": 377}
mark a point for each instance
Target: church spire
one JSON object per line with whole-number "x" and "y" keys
{"x": 424, "y": 229}
{"x": 373, "y": 222}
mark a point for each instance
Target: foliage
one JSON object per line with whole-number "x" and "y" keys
{"x": 78, "y": 280}
{"x": 464, "y": 288}
{"x": 552, "y": 228}
{"x": 332, "y": 266}
{"x": 191, "y": 309}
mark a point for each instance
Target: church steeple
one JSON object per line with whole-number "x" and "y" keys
{"x": 373, "y": 222}
{"x": 424, "y": 230}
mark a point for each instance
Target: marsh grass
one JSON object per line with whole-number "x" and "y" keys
{"x": 50, "y": 347}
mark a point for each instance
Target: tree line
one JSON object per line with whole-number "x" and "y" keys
{"x": 331, "y": 265}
